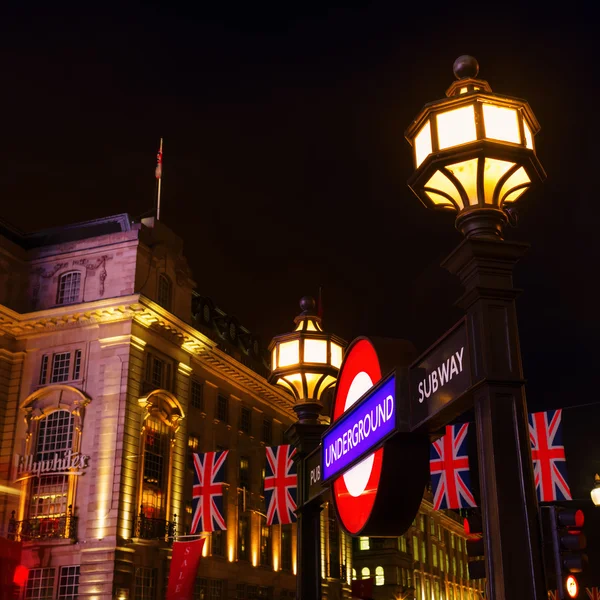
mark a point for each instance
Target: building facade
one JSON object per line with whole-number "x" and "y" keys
{"x": 113, "y": 372}
{"x": 428, "y": 562}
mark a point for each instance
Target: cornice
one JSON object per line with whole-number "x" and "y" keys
{"x": 151, "y": 316}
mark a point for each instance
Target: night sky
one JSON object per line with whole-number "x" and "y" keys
{"x": 285, "y": 163}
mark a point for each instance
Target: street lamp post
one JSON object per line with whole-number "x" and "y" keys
{"x": 474, "y": 154}
{"x": 306, "y": 362}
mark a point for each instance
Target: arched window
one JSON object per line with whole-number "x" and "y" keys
{"x": 379, "y": 576}
{"x": 164, "y": 291}
{"x": 69, "y": 286}
{"x": 49, "y": 492}
{"x": 161, "y": 422}
{"x": 156, "y": 454}
{"x": 365, "y": 573}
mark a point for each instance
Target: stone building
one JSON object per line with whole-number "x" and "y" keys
{"x": 113, "y": 371}
{"x": 428, "y": 562}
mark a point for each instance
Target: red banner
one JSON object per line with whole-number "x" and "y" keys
{"x": 184, "y": 567}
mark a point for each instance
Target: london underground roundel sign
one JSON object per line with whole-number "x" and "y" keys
{"x": 381, "y": 494}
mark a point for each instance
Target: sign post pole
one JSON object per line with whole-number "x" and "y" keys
{"x": 511, "y": 528}
{"x": 306, "y": 438}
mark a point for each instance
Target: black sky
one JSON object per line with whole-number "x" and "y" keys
{"x": 285, "y": 164}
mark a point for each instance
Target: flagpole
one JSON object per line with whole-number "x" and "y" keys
{"x": 159, "y": 177}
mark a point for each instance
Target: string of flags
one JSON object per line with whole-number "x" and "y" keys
{"x": 449, "y": 468}
{"x": 449, "y": 463}
{"x": 280, "y": 487}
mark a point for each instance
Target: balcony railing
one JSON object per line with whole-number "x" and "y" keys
{"x": 43, "y": 528}
{"x": 154, "y": 529}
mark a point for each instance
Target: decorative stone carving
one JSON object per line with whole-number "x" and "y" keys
{"x": 92, "y": 267}
{"x": 43, "y": 274}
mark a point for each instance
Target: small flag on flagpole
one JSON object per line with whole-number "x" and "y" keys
{"x": 158, "y": 173}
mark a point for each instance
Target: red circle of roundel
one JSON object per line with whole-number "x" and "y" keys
{"x": 354, "y": 512}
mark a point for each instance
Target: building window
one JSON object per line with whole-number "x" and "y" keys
{"x": 267, "y": 433}
{"x": 156, "y": 459}
{"x": 363, "y": 543}
{"x": 379, "y": 576}
{"x": 402, "y": 543}
{"x": 286, "y": 547}
{"x": 244, "y": 475}
{"x": 44, "y": 369}
{"x": 40, "y": 584}
{"x": 145, "y": 583}
{"x": 164, "y": 291}
{"x": 434, "y": 554}
{"x": 49, "y": 492}
{"x": 245, "y": 420}
{"x": 424, "y": 552}
{"x": 68, "y": 288}
{"x": 353, "y": 574}
{"x": 60, "y": 369}
{"x": 365, "y": 573}
{"x": 61, "y": 363}
{"x": 222, "y": 408}
{"x": 266, "y": 549}
{"x": 193, "y": 445}
{"x": 68, "y": 586}
{"x": 416, "y": 548}
{"x": 432, "y": 526}
{"x": 77, "y": 365}
{"x": 158, "y": 373}
{"x": 218, "y": 543}
{"x": 244, "y": 538}
{"x": 197, "y": 394}
{"x": 208, "y": 589}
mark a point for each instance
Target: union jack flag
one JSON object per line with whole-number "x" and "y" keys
{"x": 593, "y": 593}
{"x": 207, "y": 493}
{"x": 280, "y": 485}
{"x": 449, "y": 468}
{"x": 548, "y": 454}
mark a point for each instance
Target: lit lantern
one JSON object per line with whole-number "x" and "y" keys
{"x": 306, "y": 361}
{"x": 474, "y": 152}
{"x": 595, "y": 493}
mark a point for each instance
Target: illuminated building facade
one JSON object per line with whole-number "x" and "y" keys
{"x": 428, "y": 562}
{"x": 113, "y": 371}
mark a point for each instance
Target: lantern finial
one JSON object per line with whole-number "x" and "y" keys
{"x": 307, "y": 305}
{"x": 465, "y": 67}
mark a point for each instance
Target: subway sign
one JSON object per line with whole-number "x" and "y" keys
{"x": 363, "y": 429}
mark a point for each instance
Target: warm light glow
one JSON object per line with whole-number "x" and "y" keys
{"x": 456, "y": 127}
{"x": 230, "y": 553}
{"x": 274, "y": 358}
{"x": 312, "y": 379}
{"x": 501, "y": 123}
{"x": 440, "y": 182}
{"x": 336, "y": 355}
{"x": 508, "y": 192}
{"x": 205, "y": 549}
{"x": 572, "y": 586}
{"x": 464, "y": 90}
{"x": 595, "y": 493}
{"x": 254, "y": 559}
{"x": 494, "y": 169}
{"x": 466, "y": 173}
{"x": 289, "y": 353}
{"x": 315, "y": 351}
{"x": 423, "y": 144}
{"x": 528, "y": 136}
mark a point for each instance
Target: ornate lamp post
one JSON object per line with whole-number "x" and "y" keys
{"x": 306, "y": 362}
{"x": 474, "y": 154}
